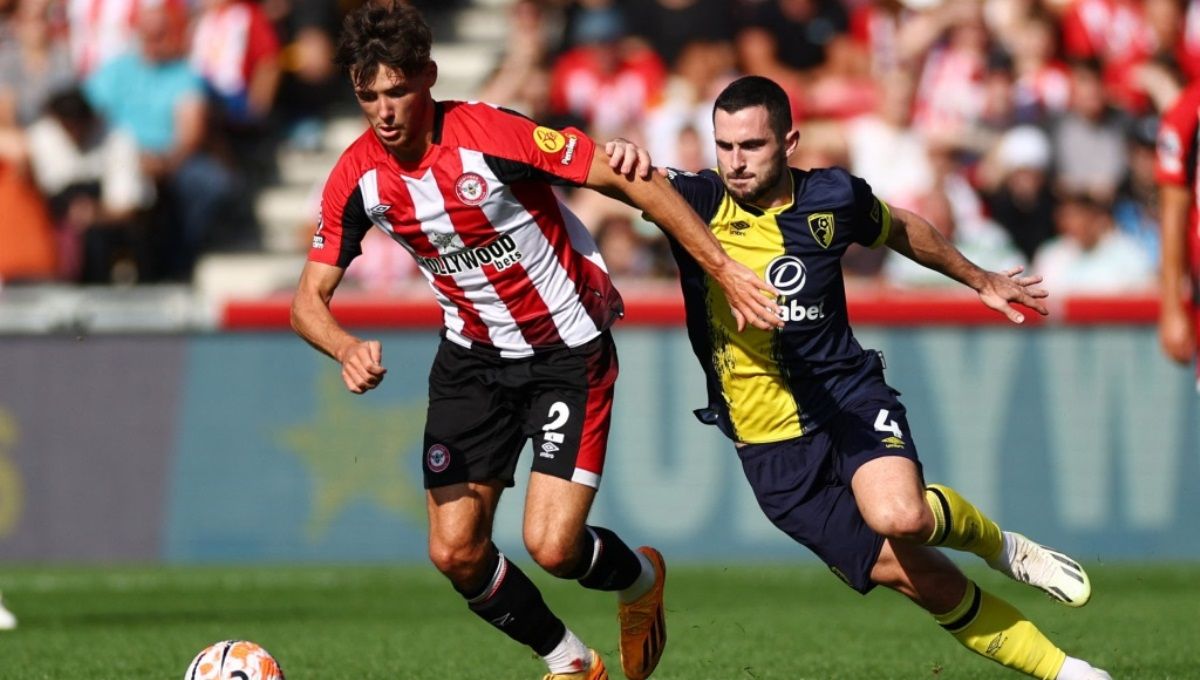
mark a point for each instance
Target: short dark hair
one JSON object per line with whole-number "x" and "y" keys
{"x": 378, "y": 34}
{"x": 749, "y": 91}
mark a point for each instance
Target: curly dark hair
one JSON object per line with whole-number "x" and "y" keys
{"x": 387, "y": 33}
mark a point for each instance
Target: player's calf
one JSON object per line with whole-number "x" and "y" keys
{"x": 512, "y": 604}
{"x": 959, "y": 525}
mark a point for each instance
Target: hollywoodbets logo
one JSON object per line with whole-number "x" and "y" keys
{"x": 501, "y": 254}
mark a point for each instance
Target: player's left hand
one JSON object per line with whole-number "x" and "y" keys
{"x": 1001, "y": 288}
{"x": 628, "y": 159}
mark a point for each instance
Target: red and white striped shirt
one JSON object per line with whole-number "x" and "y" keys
{"x": 100, "y": 30}
{"x": 513, "y": 269}
{"x": 229, "y": 41}
{"x": 1179, "y": 158}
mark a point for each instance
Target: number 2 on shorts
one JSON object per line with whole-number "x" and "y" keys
{"x": 559, "y": 414}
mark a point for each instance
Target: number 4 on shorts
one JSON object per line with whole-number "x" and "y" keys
{"x": 882, "y": 424}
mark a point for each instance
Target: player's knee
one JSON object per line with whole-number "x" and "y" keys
{"x": 458, "y": 561}
{"x": 908, "y": 522}
{"x": 558, "y": 557}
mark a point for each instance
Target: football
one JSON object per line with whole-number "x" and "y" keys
{"x": 234, "y": 660}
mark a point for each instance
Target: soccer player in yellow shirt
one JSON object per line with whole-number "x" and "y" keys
{"x": 823, "y": 439}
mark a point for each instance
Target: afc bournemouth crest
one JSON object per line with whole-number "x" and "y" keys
{"x": 471, "y": 188}
{"x": 437, "y": 458}
{"x": 821, "y": 226}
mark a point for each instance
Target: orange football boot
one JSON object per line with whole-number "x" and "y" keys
{"x": 644, "y": 624}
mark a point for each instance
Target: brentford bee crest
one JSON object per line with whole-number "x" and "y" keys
{"x": 437, "y": 458}
{"x": 471, "y": 188}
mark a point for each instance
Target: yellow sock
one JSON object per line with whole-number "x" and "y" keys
{"x": 995, "y": 629}
{"x": 960, "y": 525}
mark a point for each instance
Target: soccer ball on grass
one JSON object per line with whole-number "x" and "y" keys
{"x": 234, "y": 660}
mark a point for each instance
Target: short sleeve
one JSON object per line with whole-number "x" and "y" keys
{"x": 1177, "y": 139}
{"x": 871, "y": 220}
{"x": 189, "y": 82}
{"x": 1076, "y": 42}
{"x": 342, "y": 221}
{"x": 264, "y": 42}
{"x": 703, "y": 191}
{"x": 98, "y": 88}
{"x": 523, "y": 149}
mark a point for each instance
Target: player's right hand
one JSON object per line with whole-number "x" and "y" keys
{"x": 362, "y": 365}
{"x": 751, "y": 299}
{"x": 628, "y": 159}
{"x": 1176, "y": 335}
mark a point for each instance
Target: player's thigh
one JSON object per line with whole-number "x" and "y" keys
{"x": 878, "y": 458}
{"x": 797, "y": 487}
{"x": 473, "y": 429}
{"x": 556, "y": 511}
{"x": 569, "y": 411}
{"x": 460, "y": 519}
{"x": 923, "y": 574}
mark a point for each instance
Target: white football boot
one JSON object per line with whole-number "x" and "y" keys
{"x": 7, "y": 620}
{"x": 1078, "y": 669}
{"x": 1052, "y": 572}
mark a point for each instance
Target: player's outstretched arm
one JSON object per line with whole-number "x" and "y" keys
{"x": 915, "y": 238}
{"x": 1175, "y": 332}
{"x": 751, "y": 298}
{"x": 361, "y": 360}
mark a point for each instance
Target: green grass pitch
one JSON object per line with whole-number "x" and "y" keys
{"x": 734, "y": 623}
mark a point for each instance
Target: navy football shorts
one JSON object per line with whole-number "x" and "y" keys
{"x": 803, "y": 484}
{"x": 483, "y": 408}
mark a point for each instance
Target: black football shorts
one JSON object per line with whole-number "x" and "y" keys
{"x": 803, "y": 484}
{"x": 482, "y": 410}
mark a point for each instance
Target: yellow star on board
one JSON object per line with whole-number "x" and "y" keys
{"x": 354, "y": 451}
{"x": 12, "y": 492}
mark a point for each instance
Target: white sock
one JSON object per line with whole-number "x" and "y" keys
{"x": 1005, "y": 558}
{"x": 570, "y": 656}
{"x": 643, "y": 584}
{"x": 1078, "y": 669}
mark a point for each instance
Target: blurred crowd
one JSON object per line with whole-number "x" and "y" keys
{"x": 135, "y": 133}
{"x": 1023, "y": 129}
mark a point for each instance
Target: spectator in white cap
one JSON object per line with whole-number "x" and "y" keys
{"x": 1015, "y": 183}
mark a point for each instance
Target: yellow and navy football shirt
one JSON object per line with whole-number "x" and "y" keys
{"x": 766, "y": 386}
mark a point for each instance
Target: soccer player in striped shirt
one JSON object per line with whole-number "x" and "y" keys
{"x": 823, "y": 440}
{"x": 526, "y": 350}
{"x": 1179, "y": 181}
